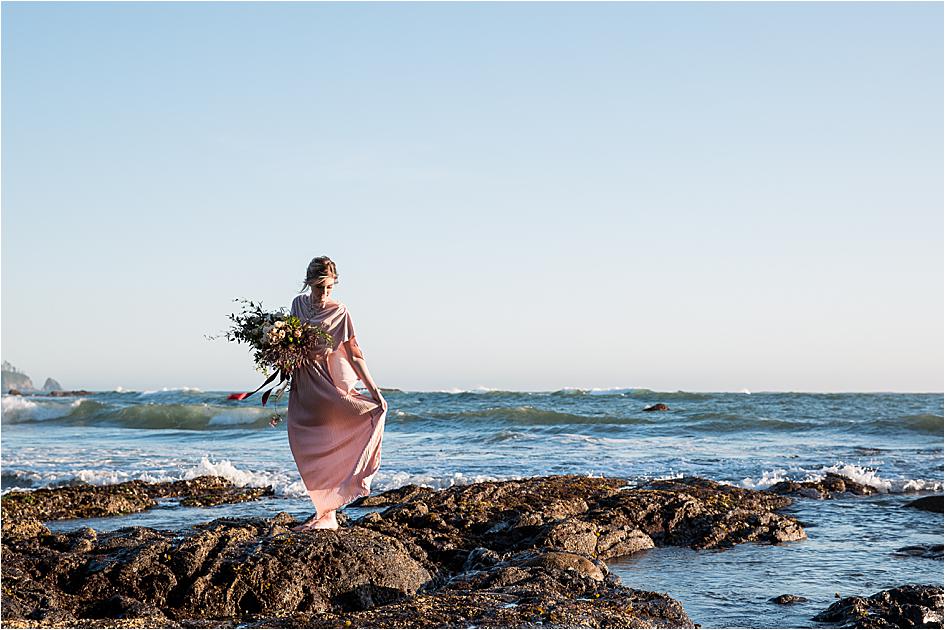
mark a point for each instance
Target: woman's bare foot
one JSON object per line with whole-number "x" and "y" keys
{"x": 301, "y": 527}
{"x": 327, "y": 521}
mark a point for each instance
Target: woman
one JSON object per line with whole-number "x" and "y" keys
{"x": 335, "y": 432}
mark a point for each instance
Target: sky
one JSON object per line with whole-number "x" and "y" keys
{"x": 520, "y": 196}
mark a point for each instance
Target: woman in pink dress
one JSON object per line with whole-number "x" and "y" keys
{"x": 335, "y": 432}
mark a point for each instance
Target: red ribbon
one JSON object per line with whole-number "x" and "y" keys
{"x": 265, "y": 397}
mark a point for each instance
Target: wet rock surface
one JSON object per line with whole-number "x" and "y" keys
{"x": 934, "y": 552}
{"x": 88, "y": 501}
{"x": 928, "y": 504}
{"x": 507, "y": 554}
{"x": 602, "y": 518}
{"x": 58, "y": 393}
{"x": 225, "y": 570}
{"x": 656, "y": 407}
{"x": 829, "y": 487}
{"x": 787, "y": 599}
{"x": 909, "y": 606}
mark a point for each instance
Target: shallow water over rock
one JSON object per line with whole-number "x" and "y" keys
{"x": 851, "y": 548}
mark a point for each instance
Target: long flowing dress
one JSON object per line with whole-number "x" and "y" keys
{"x": 335, "y": 432}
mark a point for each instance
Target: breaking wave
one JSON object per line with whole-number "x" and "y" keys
{"x": 17, "y": 410}
{"x": 859, "y": 474}
{"x": 188, "y": 409}
{"x": 284, "y": 484}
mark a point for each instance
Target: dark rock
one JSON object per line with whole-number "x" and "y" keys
{"x": 117, "y": 607}
{"x": 391, "y": 497}
{"x": 787, "y": 599}
{"x": 226, "y": 569}
{"x": 565, "y": 561}
{"x": 909, "y": 606}
{"x": 15, "y": 392}
{"x": 827, "y": 488}
{"x": 51, "y": 384}
{"x": 598, "y": 517}
{"x": 73, "y": 392}
{"x": 935, "y": 552}
{"x": 929, "y": 504}
{"x": 513, "y": 554}
{"x": 529, "y": 590}
{"x": 22, "y": 528}
{"x": 703, "y": 514}
{"x": 87, "y": 501}
{"x": 481, "y": 558}
{"x": 656, "y": 407}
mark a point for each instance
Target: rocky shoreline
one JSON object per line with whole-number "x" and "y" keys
{"x": 88, "y": 501}
{"x": 909, "y": 606}
{"x": 523, "y": 553}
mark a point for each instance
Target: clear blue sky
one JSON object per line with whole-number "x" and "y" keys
{"x": 518, "y": 196}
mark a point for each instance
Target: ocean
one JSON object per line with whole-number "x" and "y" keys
{"x": 893, "y": 442}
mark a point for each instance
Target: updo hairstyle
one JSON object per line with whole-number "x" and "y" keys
{"x": 319, "y": 270}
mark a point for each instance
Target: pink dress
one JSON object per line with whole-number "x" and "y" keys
{"x": 335, "y": 433}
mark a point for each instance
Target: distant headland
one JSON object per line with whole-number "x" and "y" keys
{"x": 15, "y": 379}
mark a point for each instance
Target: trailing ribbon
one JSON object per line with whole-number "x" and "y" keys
{"x": 265, "y": 397}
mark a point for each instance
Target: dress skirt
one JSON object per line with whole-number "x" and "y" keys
{"x": 335, "y": 434}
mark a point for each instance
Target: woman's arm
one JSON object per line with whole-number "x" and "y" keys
{"x": 356, "y": 357}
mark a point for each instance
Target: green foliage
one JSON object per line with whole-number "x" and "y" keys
{"x": 278, "y": 341}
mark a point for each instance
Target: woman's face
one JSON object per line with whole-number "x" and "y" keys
{"x": 322, "y": 291}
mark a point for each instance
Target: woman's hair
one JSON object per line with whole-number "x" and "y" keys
{"x": 318, "y": 270}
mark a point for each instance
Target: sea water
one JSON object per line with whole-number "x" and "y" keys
{"x": 893, "y": 442}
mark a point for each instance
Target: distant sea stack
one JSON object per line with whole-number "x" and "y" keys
{"x": 14, "y": 379}
{"x": 51, "y": 385}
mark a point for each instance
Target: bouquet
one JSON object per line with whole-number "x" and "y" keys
{"x": 281, "y": 344}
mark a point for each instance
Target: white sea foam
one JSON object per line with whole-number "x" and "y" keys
{"x": 475, "y": 390}
{"x": 282, "y": 483}
{"x": 595, "y": 391}
{"x": 575, "y": 438}
{"x": 102, "y": 477}
{"x": 859, "y": 474}
{"x": 609, "y": 391}
{"x": 164, "y": 390}
{"x": 20, "y": 409}
{"x": 870, "y": 477}
{"x": 95, "y": 477}
{"x": 16, "y": 403}
{"x": 667, "y": 476}
{"x": 388, "y": 480}
{"x": 768, "y": 478}
{"x": 914, "y": 485}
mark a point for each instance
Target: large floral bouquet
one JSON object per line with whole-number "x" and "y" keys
{"x": 281, "y": 343}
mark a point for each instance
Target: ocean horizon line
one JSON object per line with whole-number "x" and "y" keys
{"x": 488, "y": 390}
